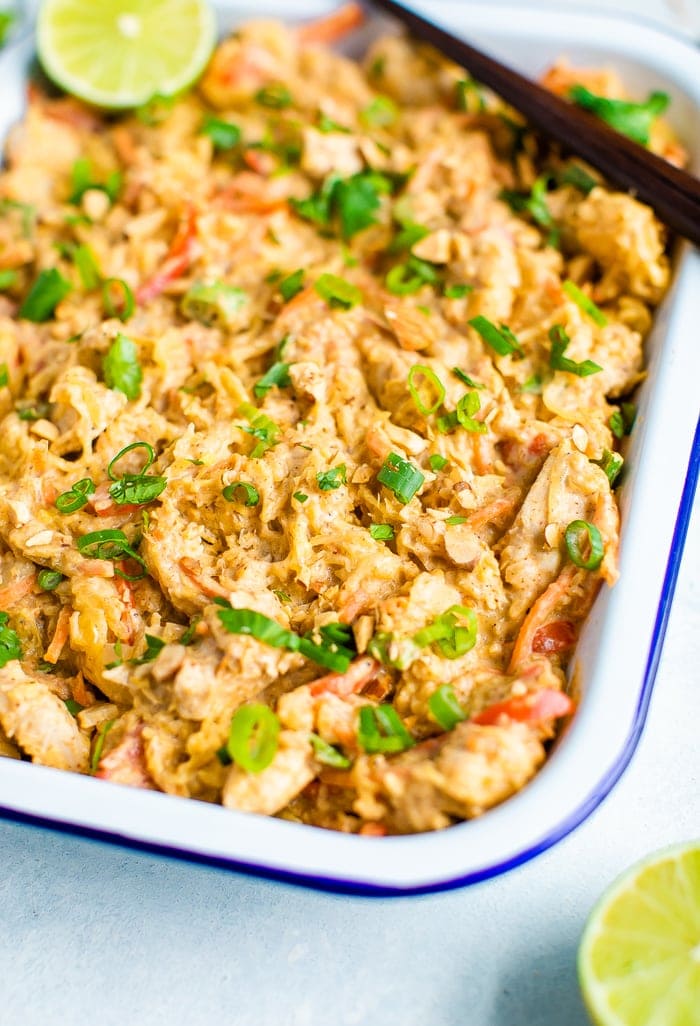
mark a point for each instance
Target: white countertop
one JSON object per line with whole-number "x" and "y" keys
{"x": 91, "y": 932}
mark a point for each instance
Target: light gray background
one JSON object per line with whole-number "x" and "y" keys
{"x": 92, "y": 933}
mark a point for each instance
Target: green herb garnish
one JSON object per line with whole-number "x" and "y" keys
{"x": 557, "y": 361}
{"x": 585, "y": 303}
{"x": 121, "y": 367}
{"x": 338, "y": 292}
{"x": 631, "y": 119}
{"x": 10, "y": 647}
{"x": 44, "y": 296}
{"x": 330, "y": 480}
{"x": 277, "y": 376}
{"x": 500, "y": 339}
{"x": 250, "y": 494}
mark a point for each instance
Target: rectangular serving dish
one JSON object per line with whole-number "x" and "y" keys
{"x": 617, "y": 656}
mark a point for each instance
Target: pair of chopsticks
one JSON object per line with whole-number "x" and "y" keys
{"x": 672, "y": 193}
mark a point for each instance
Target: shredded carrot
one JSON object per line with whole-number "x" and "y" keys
{"x": 207, "y": 585}
{"x": 177, "y": 260}
{"x": 80, "y": 691}
{"x": 492, "y": 511}
{"x": 16, "y": 590}
{"x": 360, "y": 672}
{"x": 60, "y": 636}
{"x": 332, "y": 27}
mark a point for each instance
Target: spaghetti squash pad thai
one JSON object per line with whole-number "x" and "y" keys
{"x": 312, "y": 382}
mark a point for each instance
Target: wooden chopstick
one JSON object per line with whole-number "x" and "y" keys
{"x": 672, "y": 193}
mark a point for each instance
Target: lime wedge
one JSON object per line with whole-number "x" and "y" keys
{"x": 121, "y": 53}
{"x": 639, "y": 959}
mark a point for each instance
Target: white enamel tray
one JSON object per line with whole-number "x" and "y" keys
{"x": 620, "y": 647}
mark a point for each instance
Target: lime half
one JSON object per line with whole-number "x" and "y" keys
{"x": 121, "y": 53}
{"x": 639, "y": 960}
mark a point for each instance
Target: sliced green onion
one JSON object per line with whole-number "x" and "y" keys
{"x": 400, "y": 477}
{"x": 214, "y": 304}
{"x": 631, "y": 119}
{"x": 467, "y": 406}
{"x": 41, "y": 409}
{"x": 445, "y": 708}
{"x": 330, "y": 480}
{"x": 405, "y": 279}
{"x": 575, "y": 175}
{"x": 337, "y": 292}
{"x": 456, "y": 521}
{"x": 82, "y": 181}
{"x": 437, "y": 462}
{"x": 4, "y": 375}
{"x": 111, "y": 544}
{"x": 256, "y": 625}
{"x": 153, "y": 647}
{"x": 121, "y": 367}
{"x": 557, "y": 361}
{"x": 253, "y": 737}
{"x": 465, "y": 379}
{"x": 381, "y": 112}
{"x": 430, "y": 383}
{"x": 262, "y": 428}
{"x": 457, "y": 291}
{"x": 72, "y": 706}
{"x": 452, "y": 638}
{"x": 611, "y": 463}
{"x": 49, "y": 580}
{"x": 585, "y": 303}
{"x": 300, "y": 496}
{"x": 327, "y": 125}
{"x": 88, "y": 269}
{"x": 10, "y": 647}
{"x": 578, "y": 534}
{"x": 223, "y": 134}
{"x": 622, "y": 421}
{"x": 76, "y": 497}
{"x": 277, "y": 376}
{"x": 251, "y": 495}
{"x": 189, "y": 632}
{"x": 7, "y": 278}
{"x": 470, "y": 96}
{"x": 534, "y": 204}
{"x": 327, "y": 754}
{"x": 150, "y": 458}
{"x": 102, "y": 733}
{"x": 292, "y": 285}
{"x": 381, "y": 730}
{"x": 500, "y": 339}
{"x": 381, "y": 532}
{"x": 124, "y": 305}
{"x": 533, "y": 385}
{"x": 276, "y": 96}
{"x": 410, "y": 234}
{"x": 44, "y": 296}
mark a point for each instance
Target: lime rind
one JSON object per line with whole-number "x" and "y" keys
{"x": 639, "y": 957}
{"x": 83, "y": 49}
